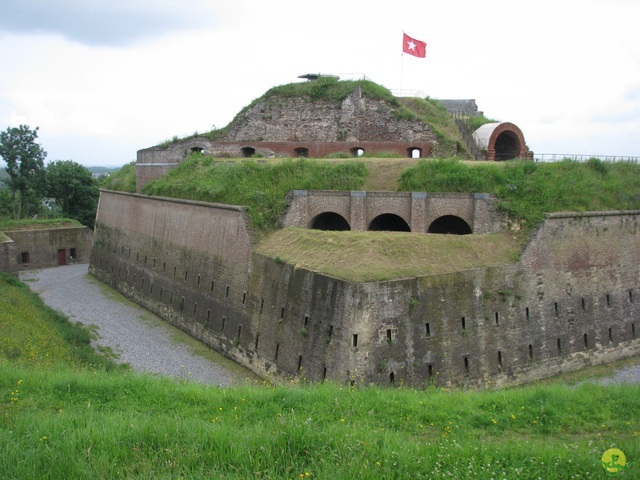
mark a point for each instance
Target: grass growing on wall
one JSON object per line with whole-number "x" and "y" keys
{"x": 374, "y": 256}
{"x": 28, "y": 224}
{"x": 528, "y": 190}
{"x": 123, "y": 180}
{"x": 261, "y": 187}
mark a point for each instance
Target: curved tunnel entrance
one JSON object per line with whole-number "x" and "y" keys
{"x": 450, "y": 224}
{"x": 330, "y": 221}
{"x": 389, "y": 222}
{"x": 507, "y": 146}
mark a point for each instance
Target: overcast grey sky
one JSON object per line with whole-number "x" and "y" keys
{"x": 104, "y": 79}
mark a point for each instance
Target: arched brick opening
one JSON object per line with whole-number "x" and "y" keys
{"x": 501, "y": 141}
{"x": 329, "y": 221}
{"x": 248, "y": 151}
{"x": 357, "y": 151}
{"x": 389, "y": 222}
{"x": 450, "y": 224}
{"x": 414, "y": 152}
{"x": 197, "y": 150}
{"x": 301, "y": 152}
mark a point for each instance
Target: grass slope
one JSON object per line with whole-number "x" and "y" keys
{"x": 69, "y": 424}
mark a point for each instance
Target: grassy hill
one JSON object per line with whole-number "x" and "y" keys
{"x": 61, "y": 416}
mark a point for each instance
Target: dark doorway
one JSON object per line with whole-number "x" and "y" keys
{"x": 62, "y": 257}
{"x": 330, "y": 221}
{"x": 302, "y": 152}
{"x": 357, "y": 152}
{"x": 450, "y": 224}
{"x": 507, "y": 146}
{"x": 389, "y": 222}
{"x": 248, "y": 151}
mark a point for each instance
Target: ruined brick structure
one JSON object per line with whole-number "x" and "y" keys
{"x": 571, "y": 300}
{"x": 26, "y": 248}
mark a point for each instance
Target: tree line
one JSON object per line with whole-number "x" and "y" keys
{"x": 29, "y": 189}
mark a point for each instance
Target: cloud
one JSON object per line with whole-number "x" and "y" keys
{"x": 114, "y": 23}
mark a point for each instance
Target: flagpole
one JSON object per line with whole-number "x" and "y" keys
{"x": 402, "y": 64}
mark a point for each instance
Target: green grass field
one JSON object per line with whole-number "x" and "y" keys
{"x": 66, "y": 414}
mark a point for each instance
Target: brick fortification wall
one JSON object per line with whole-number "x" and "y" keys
{"x": 8, "y": 262}
{"x": 43, "y": 246}
{"x": 571, "y": 301}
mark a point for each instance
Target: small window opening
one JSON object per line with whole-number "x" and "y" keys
{"x": 255, "y": 346}
{"x": 206, "y": 324}
{"x": 244, "y": 297}
{"x": 277, "y": 350}
{"x": 330, "y": 334}
{"x": 261, "y": 304}
{"x": 430, "y": 371}
{"x": 466, "y": 364}
{"x": 72, "y": 254}
{"x": 610, "y": 335}
{"x": 324, "y": 372}
{"x": 392, "y": 378}
{"x": 463, "y": 322}
{"x": 631, "y": 296}
{"x": 306, "y": 320}
{"x": 239, "y": 331}
{"x": 427, "y": 329}
{"x": 389, "y": 338}
{"x": 151, "y": 289}
{"x": 500, "y": 359}
{"x": 154, "y": 262}
{"x": 299, "y": 362}
{"x": 530, "y": 352}
{"x": 355, "y": 340}
{"x": 282, "y": 313}
{"x": 583, "y": 304}
{"x": 25, "y": 257}
{"x": 585, "y": 337}
{"x": 224, "y": 320}
{"x": 198, "y": 282}
{"x": 182, "y": 304}
{"x": 555, "y": 307}
{"x": 559, "y": 346}
{"x": 527, "y": 315}
{"x": 497, "y": 318}
{"x": 608, "y": 300}
{"x": 186, "y": 275}
{"x": 213, "y": 285}
{"x": 227, "y": 292}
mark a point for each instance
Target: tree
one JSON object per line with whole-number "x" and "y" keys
{"x": 25, "y": 166}
{"x": 74, "y": 189}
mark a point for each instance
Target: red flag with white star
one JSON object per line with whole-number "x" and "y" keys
{"x": 414, "y": 47}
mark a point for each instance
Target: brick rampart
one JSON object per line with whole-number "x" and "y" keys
{"x": 418, "y": 209}
{"x": 571, "y": 301}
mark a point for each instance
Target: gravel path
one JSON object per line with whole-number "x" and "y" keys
{"x": 137, "y": 336}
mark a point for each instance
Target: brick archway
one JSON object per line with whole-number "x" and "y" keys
{"x": 501, "y": 141}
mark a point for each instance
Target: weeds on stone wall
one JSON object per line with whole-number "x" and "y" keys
{"x": 261, "y": 187}
{"x": 528, "y": 190}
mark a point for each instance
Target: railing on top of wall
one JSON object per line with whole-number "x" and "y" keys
{"x": 558, "y": 157}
